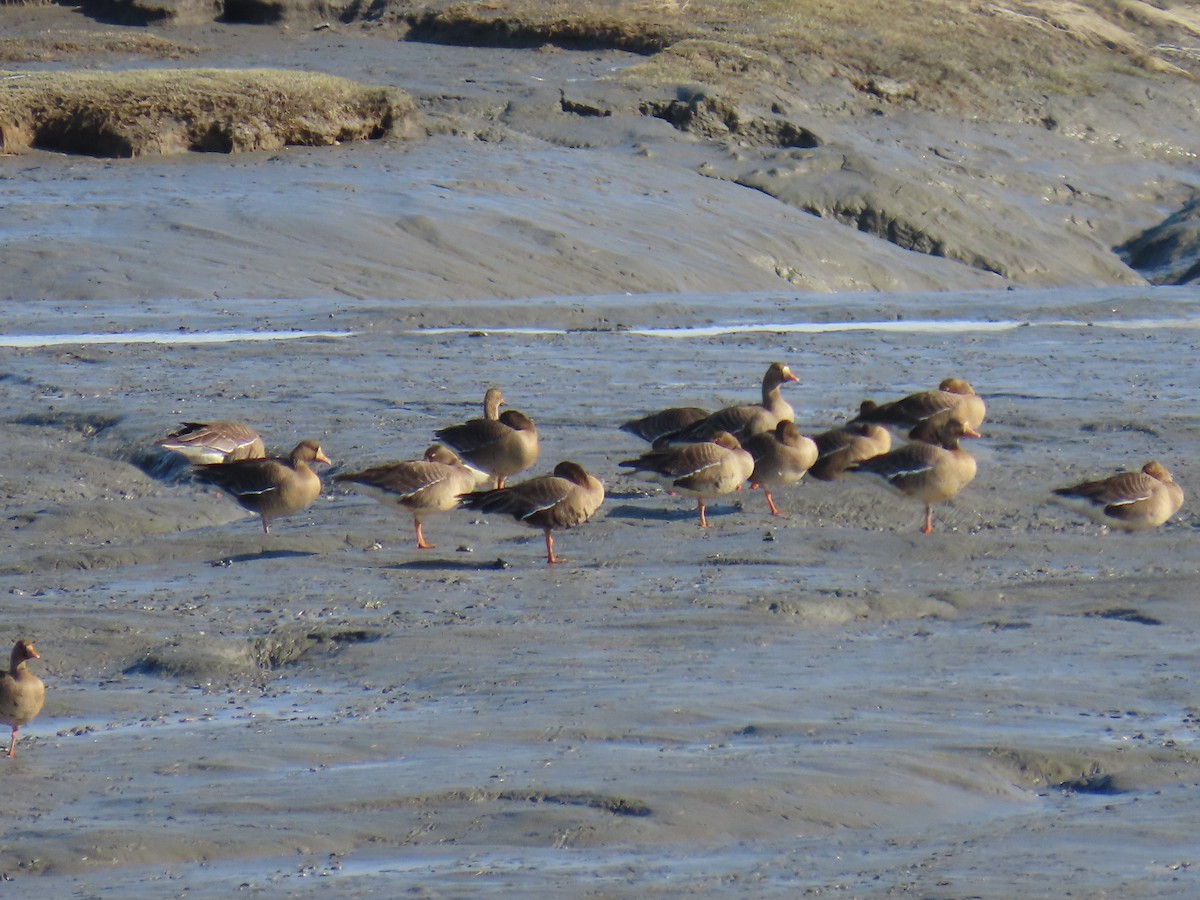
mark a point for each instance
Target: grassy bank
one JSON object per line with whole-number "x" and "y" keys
{"x": 135, "y": 113}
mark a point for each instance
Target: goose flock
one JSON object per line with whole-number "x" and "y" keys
{"x": 693, "y": 451}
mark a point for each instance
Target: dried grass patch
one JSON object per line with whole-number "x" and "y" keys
{"x": 134, "y": 113}
{"x": 65, "y": 44}
{"x": 939, "y": 53}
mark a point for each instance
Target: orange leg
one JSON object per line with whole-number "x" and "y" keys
{"x": 421, "y": 543}
{"x": 499, "y": 482}
{"x": 703, "y": 517}
{"x": 550, "y": 557}
{"x": 12, "y": 748}
{"x": 771, "y": 502}
{"x": 928, "y": 529}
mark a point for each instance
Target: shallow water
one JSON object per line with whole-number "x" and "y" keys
{"x": 827, "y": 701}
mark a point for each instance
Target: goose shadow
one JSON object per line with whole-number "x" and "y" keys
{"x": 678, "y": 513}
{"x": 450, "y": 565}
{"x": 226, "y": 561}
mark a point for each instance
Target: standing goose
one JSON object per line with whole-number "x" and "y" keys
{"x": 754, "y": 418}
{"x": 206, "y": 443}
{"x": 705, "y": 471}
{"x": 565, "y": 499}
{"x": 664, "y": 424}
{"x": 840, "y": 448}
{"x": 22, "y": 693}
{"x": 501, "y": 445}
{"x": 780, "y": 458}
{"x": 929, "y": 473}
{"x": 1133, "y": 501}
{"x": 271, "y": 487}
{"x": 953, "y": 398}
{"x": 428, "y": 485}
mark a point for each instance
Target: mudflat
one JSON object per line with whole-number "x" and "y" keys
{"x": 827, "y": 698}
{"x": 822, "y": 701}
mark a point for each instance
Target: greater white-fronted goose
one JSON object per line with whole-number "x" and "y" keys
{"x": 705, "y": 471}
{"x": 565, "y": 499}
{"x": 502, "y": 445}
{"x": 422, "y": 486}
{"x": 927, "y": 473}
{"x": 206, "y": 443}
{"x": 746, "y": 420}
{"x": 1133, "y": 501}
{"x": 271, "y": 487}
{"x": 22, "y": 693}
{"x": 840, "y": 448}
{"x": 954, "y": 397}
{"x": 665, "y": 424}
{"x": 781, "y": 457}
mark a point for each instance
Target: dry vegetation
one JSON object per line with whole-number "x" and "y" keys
{"x": 63, "y": 45}
{"x": 172, "y": 110}
{"x": 934, "y": 52}
{"x": 974, "y": 58}
{"x": 942, "y": 54}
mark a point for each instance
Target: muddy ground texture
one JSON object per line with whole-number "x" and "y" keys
{"x": 824, "y": 702}
{"x": 987, "y": 164}
{"x": 828, "y": 700}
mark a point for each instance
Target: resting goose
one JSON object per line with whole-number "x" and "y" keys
{"x": 840, "y": 448}
{"x": 665, "y": 424}
{"x": 423, "y": 486}
{"x": 953, "y": 398}
{"x": 205, "y": 443}
{"x": 781, "y": 457}
{"x": 744, "y": 421}
{"x": 1133, "y": 501}
{"x": 502, "y": 445}
{"x": 271, "y": 487}
{"x": 565, "y": 499}
{"x": 705, "y": 471}
{"x": 928, "y": 473}
{"x": 22, "y": 693}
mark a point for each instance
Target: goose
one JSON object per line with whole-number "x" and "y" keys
{"x": 753, "y": 418}
{"x": 781, "y": 457}
{"x": 664, "y": 424}
{"x": 205, "y": 443}
{"x": 841, "y": 447}
{"x": 1133, "y": 501}
{"x": 271, "y": 487}
{"x": 953, "y": 397}
{"x": 431, "y": 484}
{"x": 705, "y": 470}
{"x": 22, "y": 693}
{"x": 926, "y": 472}
{"x": 499, "y": 444}
{"x": 568, "y": 497}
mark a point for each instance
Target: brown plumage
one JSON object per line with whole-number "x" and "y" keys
{"x": 954, "y": 397}
{"x": 271, "y": 487}
{"x": 22, "y": 693}
{"x": 422, "y": 486}
{"x": 565, "y": 499}
{"x": 705, "y": 471}
{"x": 500, "y": 444}
{"x": 665, "y": 424}
{"x": 840, "y": 448}
{"x": 206, "y": 443}
{"x": 1133, "y": 501}
{"x": 781, "y": 457}
{"x": 927, "y": 473}
{"x": 748, "y": 419}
